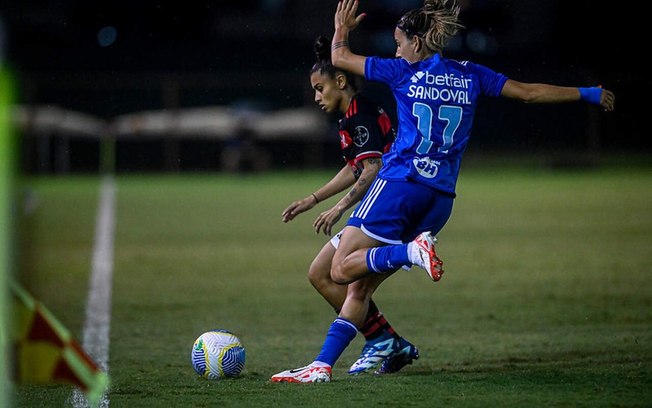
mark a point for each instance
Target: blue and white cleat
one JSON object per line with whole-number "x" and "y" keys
{"x": 373, "y": 354}
{"x": 405, "y": 354}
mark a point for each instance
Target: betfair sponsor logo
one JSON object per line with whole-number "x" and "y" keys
{"x": 448, "y": 88}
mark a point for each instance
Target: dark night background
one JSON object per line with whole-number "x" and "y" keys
{"x": 109, "y": 58}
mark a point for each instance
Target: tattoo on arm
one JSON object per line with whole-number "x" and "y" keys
{"x": 354, "y": 191}
{"x": 362, "y": 182}
{"x": 340, "y": 44}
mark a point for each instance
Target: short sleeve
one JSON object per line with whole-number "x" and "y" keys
{"x": 491, "y": 82}
{"x": 383, "y": 70}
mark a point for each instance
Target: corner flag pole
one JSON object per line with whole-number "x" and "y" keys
{"x": 7, "y": 167}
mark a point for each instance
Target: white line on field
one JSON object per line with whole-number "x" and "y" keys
{"x": 98, "y": 306}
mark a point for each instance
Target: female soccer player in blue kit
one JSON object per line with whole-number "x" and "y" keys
{"x": 412, "y": 197}
{"x": 366, "y": 133}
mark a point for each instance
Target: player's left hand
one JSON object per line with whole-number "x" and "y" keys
{"x": 326, "y": 220}
{"x": 607, "y": 99}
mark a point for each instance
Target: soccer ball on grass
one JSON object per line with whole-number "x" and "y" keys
{"x": 217, "y": 354}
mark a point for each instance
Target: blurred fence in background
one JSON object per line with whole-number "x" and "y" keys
{"x": 59, "y": 140}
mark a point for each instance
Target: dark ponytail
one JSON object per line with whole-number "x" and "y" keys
{"x": 323, "y": 65}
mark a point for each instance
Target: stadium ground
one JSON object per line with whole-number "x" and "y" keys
{"x": 546, "y": 299}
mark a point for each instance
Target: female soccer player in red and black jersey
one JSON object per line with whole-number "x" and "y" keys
{"x": 366, "y": 133}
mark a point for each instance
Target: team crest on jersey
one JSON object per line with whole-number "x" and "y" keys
{"x": 426, "y": 167}
{"x": 360, "y": 135}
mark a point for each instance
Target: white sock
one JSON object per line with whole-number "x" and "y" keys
{"x": 413, "y": 253}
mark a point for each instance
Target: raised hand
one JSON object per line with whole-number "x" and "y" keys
{"x": 345, "y": 15}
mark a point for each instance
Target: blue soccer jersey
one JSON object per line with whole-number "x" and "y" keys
{"x": 435, "y": 99}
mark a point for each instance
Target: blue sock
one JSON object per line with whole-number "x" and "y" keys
{"x": 388, "y": 258}
{"x": 338, "y": 338}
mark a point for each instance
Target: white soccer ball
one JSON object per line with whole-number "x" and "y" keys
{"x": 217, "y": 354}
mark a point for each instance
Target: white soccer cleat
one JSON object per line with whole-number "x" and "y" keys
{"x": 426, "y": 257}
{"x": 308, "y": 374}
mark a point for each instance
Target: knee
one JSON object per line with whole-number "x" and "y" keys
{"x": 359, "y": 291}
{"x": 339, "y": 276}
{"x": 318, "y": 276}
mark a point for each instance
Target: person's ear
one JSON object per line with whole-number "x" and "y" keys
{"x": 341, "y": 80}
{"x": 418, "y": 44}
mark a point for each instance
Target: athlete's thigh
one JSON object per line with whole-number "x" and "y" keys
{"x": 321, "y": 265}
{"x": 352, "y": 240}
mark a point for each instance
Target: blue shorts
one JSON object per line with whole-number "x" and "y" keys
{"x": 396, "y": 212}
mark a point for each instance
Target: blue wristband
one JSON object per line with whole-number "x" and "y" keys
{"x": 591, "y": 95}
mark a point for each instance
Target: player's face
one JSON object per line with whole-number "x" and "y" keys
{"x": 328, "y": 95}
{"x": 405, "y": 47}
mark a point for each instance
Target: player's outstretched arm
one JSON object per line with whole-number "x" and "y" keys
{"x": 545, "y": 93}
{"x": 346, "y": 21}
{"x": 340, "y": 182}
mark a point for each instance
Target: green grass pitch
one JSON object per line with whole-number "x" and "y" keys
{"x": 546, "y": 300}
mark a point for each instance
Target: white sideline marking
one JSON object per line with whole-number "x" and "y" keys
{"x": 98, "y": 306}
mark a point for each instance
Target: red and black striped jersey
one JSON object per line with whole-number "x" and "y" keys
{"x": 365, "y": 131}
